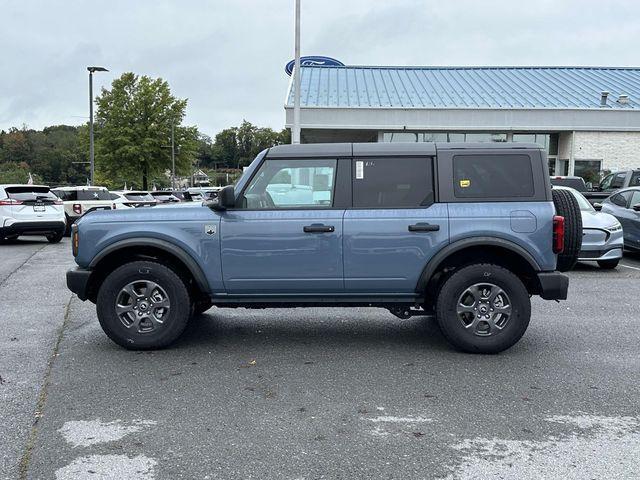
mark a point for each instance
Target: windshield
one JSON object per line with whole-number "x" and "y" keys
{"x": 583, "y": 203}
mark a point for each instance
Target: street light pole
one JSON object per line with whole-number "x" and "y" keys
{"x": 91, "y": 152}
{"x": 295, "y": 131}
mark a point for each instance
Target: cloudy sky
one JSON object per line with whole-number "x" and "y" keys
{"x": 227, "y": 57}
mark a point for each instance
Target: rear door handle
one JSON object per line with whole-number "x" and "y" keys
{"x": 424, "y": 227}
{"x": 318, "y": 228}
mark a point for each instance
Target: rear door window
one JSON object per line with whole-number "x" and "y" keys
{"x": 492, "y": 176}
{"x": 392, "y": 182}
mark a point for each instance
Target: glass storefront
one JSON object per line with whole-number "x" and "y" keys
{"x": 549, "y": 141}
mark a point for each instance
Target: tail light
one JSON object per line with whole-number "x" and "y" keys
{"x": 77, "y": 208}
{"x": 558, "y": 234}
{"x": 75, "y": 239}
{"x": 10, "y": 201}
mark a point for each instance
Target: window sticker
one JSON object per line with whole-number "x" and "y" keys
{"x": 359, "y": 169}
{"x": 465, "y": 183}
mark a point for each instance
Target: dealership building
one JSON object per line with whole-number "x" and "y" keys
{"x": 587, "y": 119}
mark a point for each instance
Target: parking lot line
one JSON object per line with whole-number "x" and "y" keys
{"x": 629, "y": 266}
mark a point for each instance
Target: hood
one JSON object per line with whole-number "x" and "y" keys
{"x": 159, "y": 213}
{"x": 600, "y": 220}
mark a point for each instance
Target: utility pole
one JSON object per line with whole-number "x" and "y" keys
{"x": 91, "y": 152}
{"x": 295, "y": 131}
{"x": 173, "y": 158}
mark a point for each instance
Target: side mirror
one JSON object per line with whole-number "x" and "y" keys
{"x": 636, "y": 207}
{"x": 589, "y": 186}
{"x": 225, "y": 199}
{"x": 597, "y": 206}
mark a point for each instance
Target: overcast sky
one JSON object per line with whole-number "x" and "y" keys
{"x": 227, "y": 57}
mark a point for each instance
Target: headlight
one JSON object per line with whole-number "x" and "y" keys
{"x": 616, "y": 227}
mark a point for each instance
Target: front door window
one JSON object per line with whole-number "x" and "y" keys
{"x": 286, "y": 184}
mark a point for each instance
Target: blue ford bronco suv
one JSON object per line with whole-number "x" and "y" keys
{"x": 463, "y": 232}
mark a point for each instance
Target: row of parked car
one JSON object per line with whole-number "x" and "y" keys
{"x": 609, "y": 225}
{"x": 41, "y": 210}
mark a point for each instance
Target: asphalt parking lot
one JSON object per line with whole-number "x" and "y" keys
{"x": 315, "y": 393}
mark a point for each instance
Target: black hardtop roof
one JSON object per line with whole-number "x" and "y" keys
{"x": 333, "y": 150}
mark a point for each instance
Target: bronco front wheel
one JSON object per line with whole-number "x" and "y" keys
{"x": 483, "y": 308}
{"x": 143, "y": 305}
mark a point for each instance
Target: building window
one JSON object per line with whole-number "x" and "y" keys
{"x": 588, "y": 169}
{"x": 400, "y": 137}
{"x": 548, "y": 141}
{"x": 485, "y": 137}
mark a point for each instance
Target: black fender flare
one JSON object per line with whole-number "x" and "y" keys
{"x": 432, "y": 266}
{"x": 178, "y": 252}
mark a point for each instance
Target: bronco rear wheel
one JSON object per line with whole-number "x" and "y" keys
{"x": 483, "y": 308}
{"x": 143, "y": 305}
{"x": 567, "y": 206}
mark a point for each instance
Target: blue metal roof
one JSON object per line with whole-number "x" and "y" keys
{"x": 467, "y": 87}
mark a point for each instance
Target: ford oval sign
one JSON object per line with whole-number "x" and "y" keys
{"x": 313, "y": 61}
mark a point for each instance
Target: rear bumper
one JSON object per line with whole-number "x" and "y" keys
{"x": 33, "y": 228}
{"x": 78, "y": 281}
{"x": 553, "y": 285}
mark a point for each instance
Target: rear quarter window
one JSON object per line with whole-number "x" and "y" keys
{"x": 493, "y": 176}
{"x": 94, "y": 195}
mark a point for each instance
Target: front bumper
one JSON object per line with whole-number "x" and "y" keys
{"x": 78, "y": 282}
{"x": 595, "y": 255}
{"x": 33, "y": 228}
{"x": 553, "y": 285}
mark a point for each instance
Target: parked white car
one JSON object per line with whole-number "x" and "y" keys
{"x": 79, "y": 201}
{"x": 132, "y": 199}
{"x": 203, "y": 193}
{"x": 30, "y": 210}
{"x": 602, "y": 236}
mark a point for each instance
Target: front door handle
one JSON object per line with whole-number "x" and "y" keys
{"x": 424, "y": 227}
{"x": 318, "y": 228}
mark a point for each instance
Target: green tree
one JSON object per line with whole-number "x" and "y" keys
{"x": 133, "y": 131}
{"x": 236, "y": 147}
{"x": 15, "y": 172}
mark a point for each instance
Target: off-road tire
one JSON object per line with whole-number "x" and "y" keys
{"x": 55, "y": 237}
{"x": 567, "y": 207}
{"x": 608, "y": 264}
{"x": 452, "y": 326}
{"x": 177, "y": 317}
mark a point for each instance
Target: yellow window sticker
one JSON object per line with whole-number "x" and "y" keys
{"x": 465, "y": 183}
